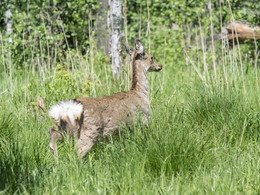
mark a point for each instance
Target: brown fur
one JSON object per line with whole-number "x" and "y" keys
{"x": 104, "y": 115}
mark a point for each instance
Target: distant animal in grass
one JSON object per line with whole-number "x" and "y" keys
{"x": 91, "y": 118}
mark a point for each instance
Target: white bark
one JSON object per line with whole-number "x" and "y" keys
{"x": 9, "y": 24}
{"x": 116, "y": 26}
{"x": 102, "y": 27}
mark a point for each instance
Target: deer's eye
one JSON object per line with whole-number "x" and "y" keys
{"x": 143, "y": 57}
{"x": 151, "y": 59}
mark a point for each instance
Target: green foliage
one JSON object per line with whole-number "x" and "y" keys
{"x": 199, "y": 135}
{"x": 44, "y": 26}
{"x": 66, "y": 85}
{"x": 203, "y": 137}
{"x": 43, "y": 30}
{"x": 63, "y": 83}
{"x": 169, "y": 12}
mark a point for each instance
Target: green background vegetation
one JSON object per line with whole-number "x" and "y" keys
{"x": 203, "y": 137}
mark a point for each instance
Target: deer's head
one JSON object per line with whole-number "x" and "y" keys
{"x": 146, "y": 61}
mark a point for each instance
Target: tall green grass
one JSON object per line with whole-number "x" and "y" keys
{"x": 203, "y": 137}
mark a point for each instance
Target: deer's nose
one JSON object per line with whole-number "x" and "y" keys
{"x": 159, "y": 67}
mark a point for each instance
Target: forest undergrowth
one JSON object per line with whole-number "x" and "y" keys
{"x": 203, "y": 136}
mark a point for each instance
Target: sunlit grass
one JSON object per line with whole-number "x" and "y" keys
{"x": 203, "y": 137}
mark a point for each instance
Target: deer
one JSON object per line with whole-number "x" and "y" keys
{"x": 90, "y": 118}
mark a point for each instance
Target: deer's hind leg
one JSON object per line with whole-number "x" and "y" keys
{"x": 55, "y": 136}
{"x": 87, "y": 140}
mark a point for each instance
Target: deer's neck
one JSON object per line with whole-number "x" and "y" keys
{"x": 140, "y": 81}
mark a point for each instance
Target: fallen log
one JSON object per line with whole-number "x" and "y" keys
{"x": 242, "y": 31}
{"x": 232, "y": 33}
{"x": 237, "y": 31}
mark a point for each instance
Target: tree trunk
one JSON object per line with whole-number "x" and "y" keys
{"x": 102, "y": 35}
{"x": 9, "y": 23}
{"x": 116, "y": 26}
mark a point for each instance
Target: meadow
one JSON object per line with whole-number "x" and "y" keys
{"x": 203, "y": 137}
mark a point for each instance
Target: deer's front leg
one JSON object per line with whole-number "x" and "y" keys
{"x": 86, "y": 141}
{"x": 55, "y": 136}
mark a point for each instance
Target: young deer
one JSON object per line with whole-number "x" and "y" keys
{"x": 91, "y": 118}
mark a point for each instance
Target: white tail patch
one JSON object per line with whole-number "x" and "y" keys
{"x": 66, "y": 109}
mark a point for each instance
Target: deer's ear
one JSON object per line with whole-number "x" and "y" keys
{"x": 129, "y": 50}
{"x": 139, "y": 47}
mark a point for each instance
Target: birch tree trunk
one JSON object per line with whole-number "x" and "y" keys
{"x": 102, "y": 27}
{"x": 9, "y": 23}
{"x": 116, "y": 26}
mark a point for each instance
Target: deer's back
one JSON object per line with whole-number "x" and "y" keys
{"x": 107, "y": 113}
